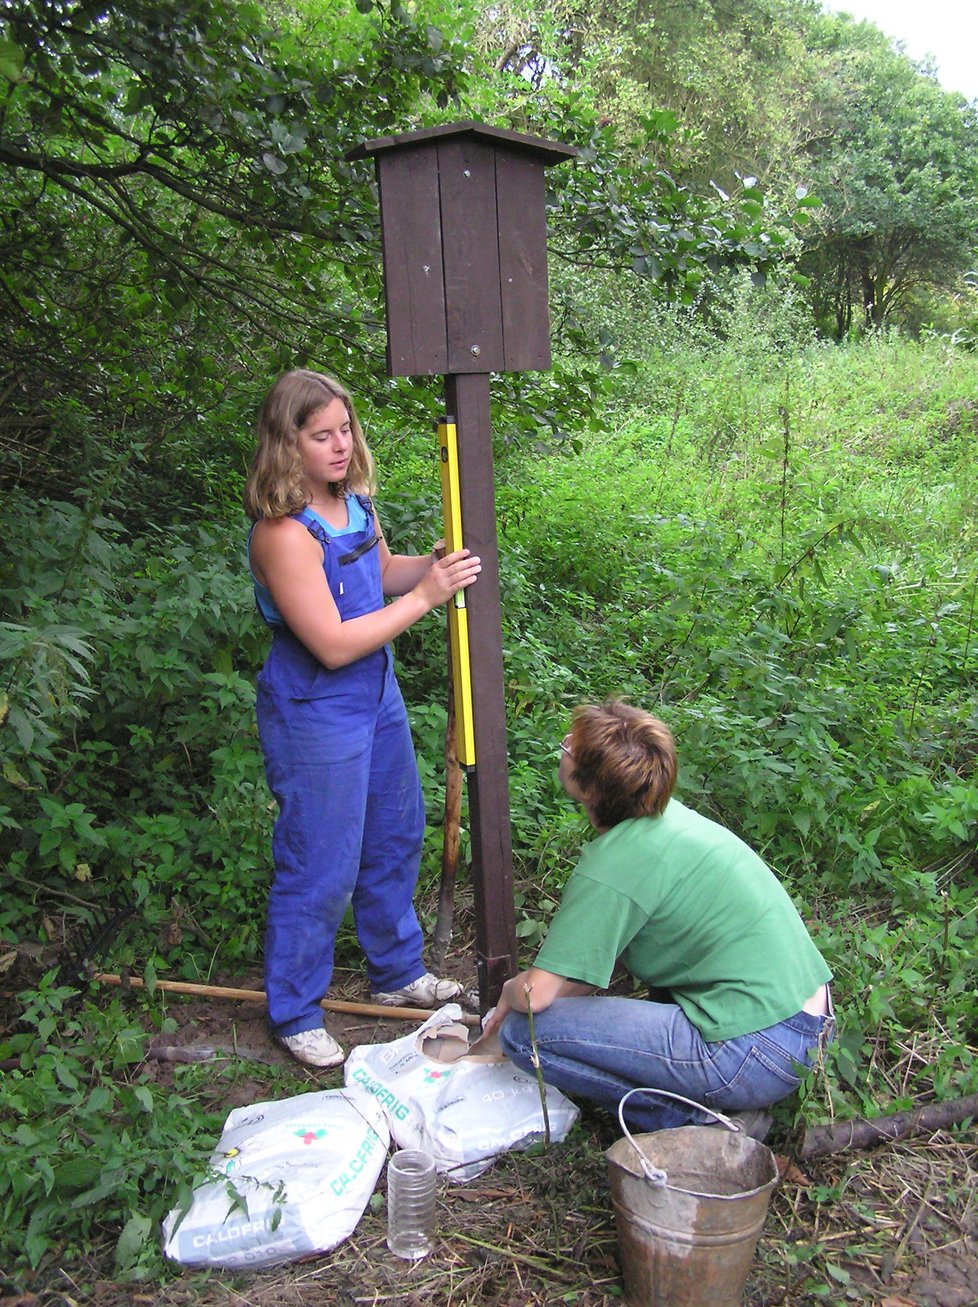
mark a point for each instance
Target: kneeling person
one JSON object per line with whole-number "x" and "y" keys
{"x": 690, "y": 910}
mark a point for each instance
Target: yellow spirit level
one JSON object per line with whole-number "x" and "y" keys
{"x": 458, "y": 621}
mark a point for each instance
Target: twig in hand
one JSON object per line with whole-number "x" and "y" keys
{"x": 535, "y": 1059}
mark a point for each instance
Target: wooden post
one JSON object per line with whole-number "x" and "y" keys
{"x": 467, "y": 397}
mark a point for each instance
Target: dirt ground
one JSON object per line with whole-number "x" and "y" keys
{"x": 896, "y": 1226}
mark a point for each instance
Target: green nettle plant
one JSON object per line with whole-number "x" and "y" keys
{"x": 131, "y": 771}
{"x": 798, "y": 602}
{"x": 91, "y": 1144}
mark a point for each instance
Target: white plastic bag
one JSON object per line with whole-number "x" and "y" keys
{"x": 297, "y": 1176}
{"x": 462, "y": 1109}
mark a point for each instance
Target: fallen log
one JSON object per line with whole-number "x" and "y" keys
{"x": 379, "y": 1010}
{"x": 863, "y": 1133}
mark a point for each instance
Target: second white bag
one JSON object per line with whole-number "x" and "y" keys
{"x": 463, "y": 1109}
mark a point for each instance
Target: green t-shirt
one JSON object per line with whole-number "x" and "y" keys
{"x": 687, "y": 906}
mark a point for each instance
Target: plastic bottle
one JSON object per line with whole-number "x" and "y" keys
{"x": 411, "y": 1203}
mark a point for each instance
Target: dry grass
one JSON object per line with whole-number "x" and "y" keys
{"x": 895, "y": 1227}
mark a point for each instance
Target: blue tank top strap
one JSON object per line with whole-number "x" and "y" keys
{"x": 313, "y": 525}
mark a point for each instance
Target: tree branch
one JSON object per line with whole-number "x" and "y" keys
{"x": 861, "y": 1133}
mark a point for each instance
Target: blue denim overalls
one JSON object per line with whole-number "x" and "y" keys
{"x": 340, "y": 762}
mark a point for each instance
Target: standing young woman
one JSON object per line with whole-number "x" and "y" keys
{"x": 334, "y": 733}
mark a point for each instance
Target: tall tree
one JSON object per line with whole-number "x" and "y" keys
{"x": 782, "y": 93}
{"x": 638, "y": 205}
{"x": 895, "y": 163}
{"x": 734, "y": 75}
{"x": 177, "y": 216}
{"x": 173, "y": 176}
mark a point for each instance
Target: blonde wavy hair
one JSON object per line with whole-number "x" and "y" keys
{"x": 624, "y": 759}
{"x": 275, "y": 486}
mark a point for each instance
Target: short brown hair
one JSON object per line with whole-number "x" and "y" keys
{"x": 624, "y": 759}
{"x": 275, "y": 485}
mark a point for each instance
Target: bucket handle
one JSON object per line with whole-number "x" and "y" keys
{"x": 653, "y": 1173}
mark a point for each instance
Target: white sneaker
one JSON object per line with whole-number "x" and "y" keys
{"x": 315, "y": 1047}
{"x": 426, "y": 991}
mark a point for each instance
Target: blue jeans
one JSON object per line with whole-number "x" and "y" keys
{"x": 601, "y": 1047}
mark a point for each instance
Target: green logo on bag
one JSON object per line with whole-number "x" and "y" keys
{"x": 310, "y": 1136}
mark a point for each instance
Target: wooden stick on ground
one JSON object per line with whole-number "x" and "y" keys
{"x": 860, "y": 1133}
{"x": 379, "y": 1010}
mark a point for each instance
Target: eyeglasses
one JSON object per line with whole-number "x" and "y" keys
{"x": 564, "y": 748}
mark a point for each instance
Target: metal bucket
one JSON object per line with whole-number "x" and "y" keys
{"x": 690, "y": 1204}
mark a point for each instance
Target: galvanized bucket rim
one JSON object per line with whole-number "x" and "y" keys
{"x": 660, "y": 1178}
{"x": 696, "y": 1193}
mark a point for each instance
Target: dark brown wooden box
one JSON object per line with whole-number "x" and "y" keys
{"x": 463, "y": 222}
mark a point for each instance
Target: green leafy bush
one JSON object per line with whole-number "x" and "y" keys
{"x": 93, "y": 1149}
{"x": 130, "y": 758}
